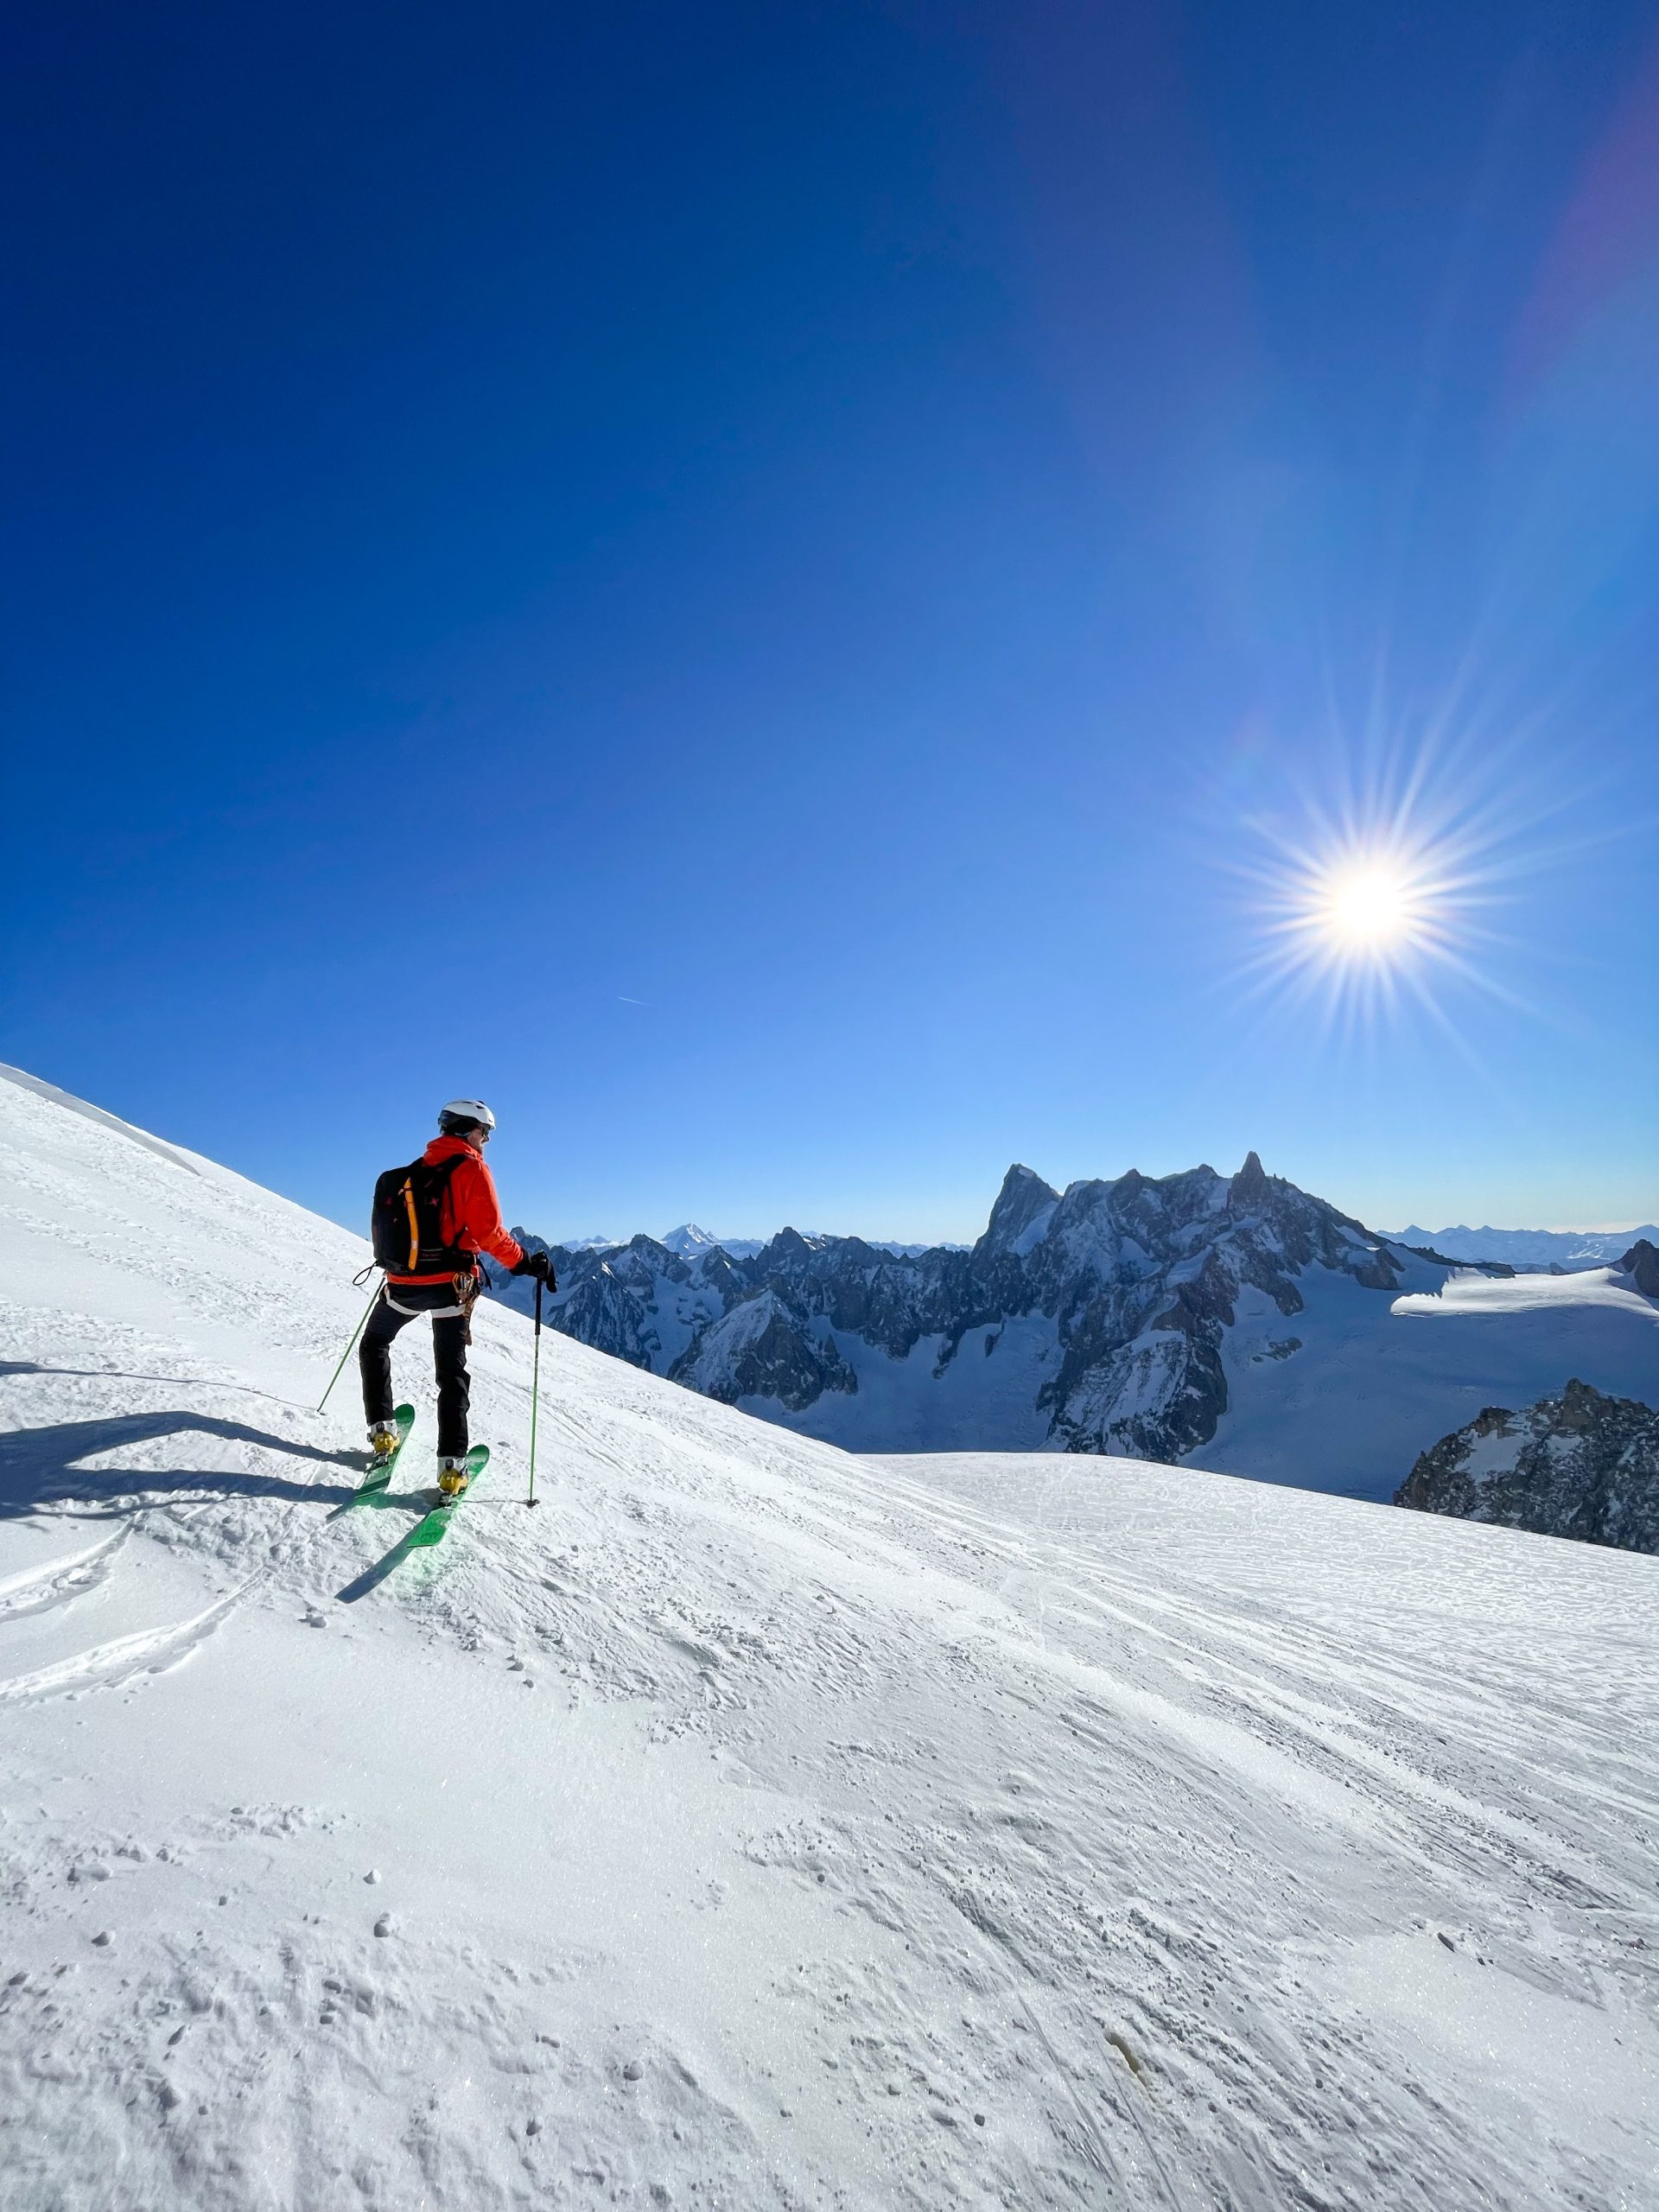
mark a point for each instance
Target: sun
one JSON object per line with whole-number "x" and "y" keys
{"x": 1377, "y": 908}
{"x": 1387, "y": 898}
{"x": 1365, "y": 917}
{"x": 1368, "y": 907}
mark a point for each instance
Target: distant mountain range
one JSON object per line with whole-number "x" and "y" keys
{"x": 1529, "y": 1247}
{"x": 688, "y": 1240}
{"x": 1570, "y": 1248}
{"x": 1236, "y": 1321}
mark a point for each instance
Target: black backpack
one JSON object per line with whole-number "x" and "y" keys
{"x": 405, "y": 1223}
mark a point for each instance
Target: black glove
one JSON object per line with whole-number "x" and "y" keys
{"x": 538, "y": 1265}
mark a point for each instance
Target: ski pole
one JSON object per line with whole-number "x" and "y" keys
{"x": 346, "y": 1354}
{"x": 535, "y": 1388}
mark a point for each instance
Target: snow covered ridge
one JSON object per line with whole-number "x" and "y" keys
{"x": 1237, "y": 1321}
{"x": 1630, "y": 1287}
{"x": 1582, "y": 1465}
{"x": 752, "y": 1825}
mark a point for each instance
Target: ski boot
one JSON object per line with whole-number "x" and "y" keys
{"x": 382, "y": 1443}
{"x": 452, "y": 1478}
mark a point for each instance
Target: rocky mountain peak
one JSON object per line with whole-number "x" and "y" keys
{"x": 1584, "y": 1465}
{"x": 763, "y": 1349}
{"x": 688, "y": 1240}
{"x": 1024, "y": 1202}
{"x": 787, "y": 1245}
{"x": 1251, "y": 1185}
{"x": 1641, "y": 1263}
{"x": 1581, "y": 1406}
{"x": 1118, "y": 1316}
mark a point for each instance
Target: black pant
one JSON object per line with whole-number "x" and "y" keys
{"x": 451, "y": 1334}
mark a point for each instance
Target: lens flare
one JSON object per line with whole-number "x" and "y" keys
{"x": 1398, "y": 876}
{"x": 1369, "y": 915}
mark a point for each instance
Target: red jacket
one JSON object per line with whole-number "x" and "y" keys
{"x": 471, "y": 1214}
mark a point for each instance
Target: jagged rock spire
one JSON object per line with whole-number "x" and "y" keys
{"x": 1024, "y": 1195}
{"x": 1249, "y": 1184}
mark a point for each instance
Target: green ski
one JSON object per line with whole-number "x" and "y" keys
{"x": 430, "y": 1531}
{"x": 380, "y": 1471}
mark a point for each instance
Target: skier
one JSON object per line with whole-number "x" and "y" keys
{"x": 450, "y": 1193}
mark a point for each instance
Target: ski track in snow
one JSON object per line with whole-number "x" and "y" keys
{"x": 751, "y": 1826}
{"x": 38, "y": 1589}
{"x": 151, "y": 1651}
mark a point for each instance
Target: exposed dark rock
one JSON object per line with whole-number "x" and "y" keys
{"x": 1250, "y": 1188}
{"x": 1641, "y": 1263}
{"x": 1583, "y": 1466}
{"x": 762, "y": 1349}
{"x": 1023, "y": 1197}
{"x": 1139, "y": 1280}
{"x": 603, "y": 1310}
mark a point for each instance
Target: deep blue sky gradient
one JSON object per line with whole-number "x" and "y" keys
{"x": 757, "y": 584}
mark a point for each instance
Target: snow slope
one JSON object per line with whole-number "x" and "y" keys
{"x": 752, "y": 1825}
{"x": 1469, "y": 1292}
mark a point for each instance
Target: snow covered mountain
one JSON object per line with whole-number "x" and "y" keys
{"x": 751, "y": 1825}
{"x": 688, "y": 1239}
{"x": 688, "y": 1242}
{"x": 1581, "y": 1465}
{"x": 1528, "y": 1247}
{"x": 1236, "y": 1321}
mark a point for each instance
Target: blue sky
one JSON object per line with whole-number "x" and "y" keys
{"x": 788, "y": 594}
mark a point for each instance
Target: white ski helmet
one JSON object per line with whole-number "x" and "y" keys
{"x": 465, "y": 1113}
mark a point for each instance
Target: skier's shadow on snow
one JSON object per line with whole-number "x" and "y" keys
{"x": 39, "y": 1467}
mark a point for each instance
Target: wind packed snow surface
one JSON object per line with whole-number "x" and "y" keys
{"x": 751, "y": 1825}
